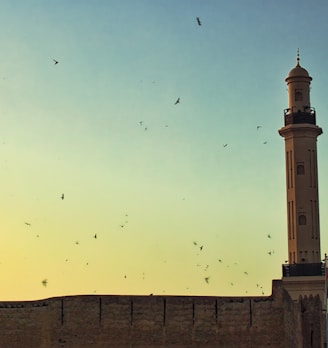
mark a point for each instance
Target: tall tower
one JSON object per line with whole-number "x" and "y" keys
{"x": 300, "y": 133}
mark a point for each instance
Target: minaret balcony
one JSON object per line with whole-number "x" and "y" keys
{"x": 306, "y": 116}
{"x": 303, "y": 269}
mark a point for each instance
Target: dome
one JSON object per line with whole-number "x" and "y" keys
{"x": 298, "y": 71}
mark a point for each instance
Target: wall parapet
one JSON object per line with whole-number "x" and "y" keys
{"x": 152, "y": 321}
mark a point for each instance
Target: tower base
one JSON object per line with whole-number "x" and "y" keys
{"x": 305, "y": 286}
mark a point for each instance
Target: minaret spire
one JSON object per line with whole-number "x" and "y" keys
{"x": 298, "y": 57}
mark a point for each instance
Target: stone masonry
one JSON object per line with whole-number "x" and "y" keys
{"x": 163, "y": 321}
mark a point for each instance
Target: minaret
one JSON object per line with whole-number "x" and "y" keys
{"x": 300, "y": 133}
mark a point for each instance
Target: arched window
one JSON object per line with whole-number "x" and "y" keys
{"x": 300, "y": 169}
{"x": 302, "y": 219}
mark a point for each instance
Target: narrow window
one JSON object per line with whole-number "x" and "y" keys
{"x": 302, "y": 219}
{"x": 300, "y": 169}
{"x": 289, "y": 223}
{"x": 298, "y": 95}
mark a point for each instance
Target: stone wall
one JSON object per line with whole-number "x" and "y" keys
{"x": 163, "y": 321}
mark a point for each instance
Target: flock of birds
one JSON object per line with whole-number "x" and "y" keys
{"x": 196, "y": 244}
{"x": 200, "y": 247}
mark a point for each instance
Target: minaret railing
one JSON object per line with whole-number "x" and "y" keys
{"x": 303, "y": 269}
{"x": 300, "y": 116}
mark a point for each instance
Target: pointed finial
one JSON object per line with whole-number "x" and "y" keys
{"x": 298, "y": 57}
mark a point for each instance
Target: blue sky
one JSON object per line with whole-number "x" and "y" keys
{"x": 102, "y": 128}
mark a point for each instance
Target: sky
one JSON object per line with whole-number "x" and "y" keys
{"x": 161, "y": 198}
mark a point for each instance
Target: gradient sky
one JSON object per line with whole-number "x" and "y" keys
{"x": 102, "y": 128}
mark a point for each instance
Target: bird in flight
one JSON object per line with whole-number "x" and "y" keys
{"x": 95, "y": 236}
{"x": 225, "y": 145}
{"x": 207, "y": 279}
{"x": 56, "y": 61}
{"x": 269, "y": 236}
{"x": 258, "y": 127}
{"x": 62, "y": 196}
{"x": 44, "y": 282}
{"x": 177, "y": 101}
{"x": 27, "y": 224}
{"x": 198, "y": 21}
{"x": 265, "y": 142}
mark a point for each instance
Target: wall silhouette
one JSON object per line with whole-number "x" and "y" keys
{"x": 163, "y": 321}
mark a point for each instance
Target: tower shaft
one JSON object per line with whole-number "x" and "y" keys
{"x": 302, "y": 192}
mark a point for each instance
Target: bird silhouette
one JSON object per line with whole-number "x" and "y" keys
{"x": 258, "y": 127}
{"x": 225, "y": 145}
{"x": 62, "y": 196}
{"x": 265, "y": 142}
{"x": 269, "y": 236}
{"x": 177, "y": 101}
{"x": 56, "y": 61}
{"x": 207, "y": 279}
{"x": 198, "y": 21}
{"x": 95, "y": 236}
{"x": 44, "y": 282}
{"x": 27, "y": 224}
